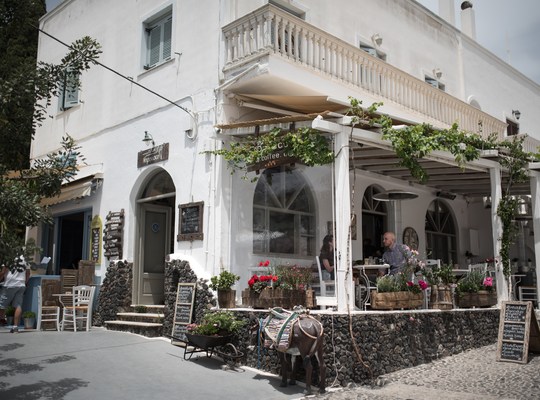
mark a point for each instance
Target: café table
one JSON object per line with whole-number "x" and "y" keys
{"x": 364, "y": 300}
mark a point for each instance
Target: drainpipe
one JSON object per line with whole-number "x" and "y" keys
{"x": 468, "y": 24}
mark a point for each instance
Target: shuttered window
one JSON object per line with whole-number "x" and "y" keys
{"x": 69, "y": 93}
{"x": 159, "y": 34}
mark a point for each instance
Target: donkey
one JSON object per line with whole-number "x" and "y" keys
{"x": 306, "y": 340}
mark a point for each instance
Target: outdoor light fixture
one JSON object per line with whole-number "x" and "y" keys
{"x": 516, "y": 113}
{"x": 437, "y": 72}
{"x": 377, "y": 39}
{"x": 148, "y": 139}
{"x": 392, "y": 195}
{"x": 446, "y": 195}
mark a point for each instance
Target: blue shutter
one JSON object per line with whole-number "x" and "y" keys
{"x": 167, "y": 33}
{"x": 154, "y": 42}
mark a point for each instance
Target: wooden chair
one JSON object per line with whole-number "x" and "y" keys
{"x": 48, "y": 308}
{"x": 81, "y": 308}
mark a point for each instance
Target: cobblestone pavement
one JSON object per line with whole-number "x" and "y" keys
{"x": 474, "y": 374}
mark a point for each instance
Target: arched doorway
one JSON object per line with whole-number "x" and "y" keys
{"x": 441, "y": 240}
{"x": 155, "y": 239}
{"x": 374, "y": 223}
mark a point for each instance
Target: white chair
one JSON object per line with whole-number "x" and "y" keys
{"x": 81, "y": 310}
{"x": 433, "y": 263}
{"x": 47, "y": 313}
{"x": 481, "y": 267}
{"x": 528, "y": 293}
{"x": 324, "y": 300}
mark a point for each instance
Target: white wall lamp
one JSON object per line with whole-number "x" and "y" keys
{"x": 516, "y": 114}
{"x": 377, "y": 39}
{"x": 148, "y": 139}
{"x": 437, "y": 72}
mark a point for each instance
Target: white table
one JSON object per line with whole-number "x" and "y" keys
{"x": 364, "y": 300}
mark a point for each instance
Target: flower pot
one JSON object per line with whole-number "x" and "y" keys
{"x": 482, "y": 298}
{"x": 29, "y": 323}
{"x": 441, "y": 297}
{"x": 9, "y": 319}
{"x": 396, "y": 300}
{"x": 226, "y": 298}
{"x": 207, "y": 342}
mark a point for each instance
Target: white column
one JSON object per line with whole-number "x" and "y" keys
{"x": 496, "y": 226}
{"x": 535, "y": 192}
{"x": 342, "y": 212}
{"x": 344, "y": 283}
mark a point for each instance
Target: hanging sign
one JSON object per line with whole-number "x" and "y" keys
{"x": 95, "y": 239}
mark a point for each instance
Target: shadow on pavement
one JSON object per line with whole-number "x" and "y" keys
{"x": 44, "y": 390}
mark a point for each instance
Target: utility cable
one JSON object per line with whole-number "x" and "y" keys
{"x": 191, "y": 114}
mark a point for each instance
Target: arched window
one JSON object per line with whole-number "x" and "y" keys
{"x": 159, "y": 184}
{"x": 441, "y": 233}
{"x": 374, "y": 220}
{"x": 283, "y": 214}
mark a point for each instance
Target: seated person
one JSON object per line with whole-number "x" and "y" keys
{"x": 326, "y": 258}
{"x": 394, "y": 254}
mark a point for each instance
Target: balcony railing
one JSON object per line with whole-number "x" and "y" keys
{"x": 270, "y": 30}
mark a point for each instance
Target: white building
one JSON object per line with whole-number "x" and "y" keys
{"x": 227, "y": 62}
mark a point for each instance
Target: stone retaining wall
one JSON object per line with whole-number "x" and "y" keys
{"x": 387, "y": 341}
{"x": 115, "y": 292}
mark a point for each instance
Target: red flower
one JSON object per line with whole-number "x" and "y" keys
{"x": 423, "y": 285}
{"x": 410, "y": 284}
{"x": 266, "y": 263}
{"x": 261, "y": 264}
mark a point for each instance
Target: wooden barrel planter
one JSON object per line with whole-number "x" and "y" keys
{"x": 226, "y": 298}
{"x": 482, "y": 298}
{"x": 441, "y": 297}
{"x": 396, "y": 300}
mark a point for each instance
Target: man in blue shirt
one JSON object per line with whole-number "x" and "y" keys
{"x": 394, "y": 254}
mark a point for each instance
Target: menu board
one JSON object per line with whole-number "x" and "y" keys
{"x": 183, "y": 312}
{"x": 112, "y": 235}
{"x": 191, "y": 221}
{"x": 95, "y": 239}
{"x": 518, "y": 332}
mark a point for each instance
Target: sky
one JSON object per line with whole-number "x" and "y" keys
{"x": 508, "y": 28}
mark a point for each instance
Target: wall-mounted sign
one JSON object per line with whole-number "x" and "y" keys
{"x": 280, "y": 157}
{"x": 95, "y": 239}
{"x": 153, "y": 155}
{"x": 113, "y": 234}
{"x": 191, "y": 221}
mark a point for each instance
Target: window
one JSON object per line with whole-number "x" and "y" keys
{"x": 374, "y": 221}
{"x": 434, "y": 82}
{"x": 440, "y": 233}
{"x": 373, "y": 51}
{"x": 283, "y": 214}
{"x": 513, "y": 128}
{"x": 158, "y": 40}
{"x": 69, "y": 91}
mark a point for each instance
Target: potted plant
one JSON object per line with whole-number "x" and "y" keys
{"x": 398, "y": 292}
{"x": 223, "y": 283}
{"x": 476, "y": 290}
{"x": 215, "y": 329}
{"x": 441, "y": 278}
{"x": 29, "y": 318}
{"x": 10, "y": 314}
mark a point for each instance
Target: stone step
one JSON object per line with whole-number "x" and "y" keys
{"x": 148, "y": 329}
{"x": 134, "y": 316}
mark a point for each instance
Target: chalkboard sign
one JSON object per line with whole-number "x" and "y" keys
{"x": 185, "y": 296}
{"x": 191, "y": 221}
{"x": 518, "y": 332}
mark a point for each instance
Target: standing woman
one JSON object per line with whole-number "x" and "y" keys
{"x": 327, "y": 255}
{"x": 15, "y": 278}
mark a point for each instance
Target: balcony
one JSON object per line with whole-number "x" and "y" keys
{"x": 272, "y": 32}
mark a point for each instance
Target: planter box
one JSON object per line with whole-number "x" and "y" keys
{"x": 208, "y": 342}
{"x": 283, "y": 298}
{"x": 226, "y": 298}
{"x": 481, "y": 299}
{"x": 396, "y": 300}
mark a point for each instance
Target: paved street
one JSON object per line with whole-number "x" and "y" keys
{"x": 114, "y": 365}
